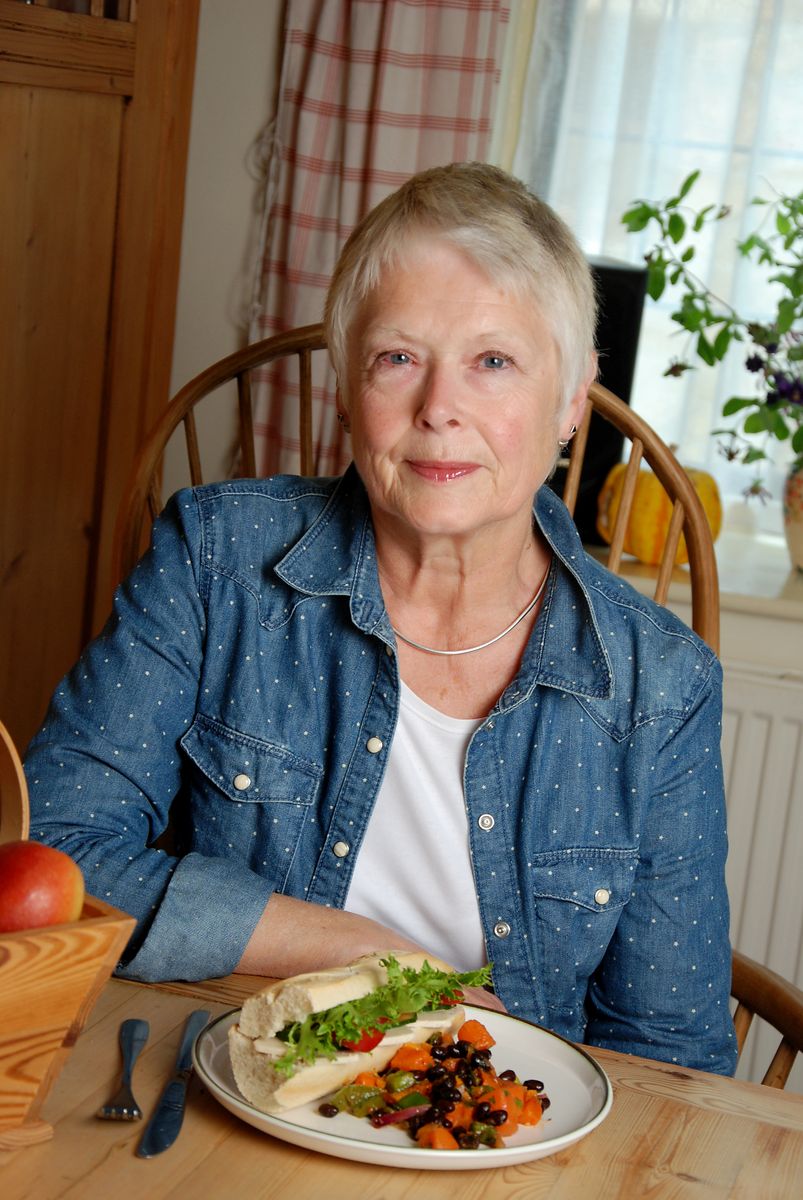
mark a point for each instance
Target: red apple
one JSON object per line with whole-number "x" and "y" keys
{"x": 38, "y": 886}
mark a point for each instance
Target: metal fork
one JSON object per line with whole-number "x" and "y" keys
{"x": 123, "y": 1106}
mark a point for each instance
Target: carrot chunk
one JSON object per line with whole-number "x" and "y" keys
{"x": 476, "y": 1033}
{"x": 412, "y": 1056}
{"x": 531, "y": 1113}
{"x": 369, "y": 1079}
{"x": 435, "y": 1137}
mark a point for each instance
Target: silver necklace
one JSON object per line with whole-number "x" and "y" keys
{"x": 482, "y": 645}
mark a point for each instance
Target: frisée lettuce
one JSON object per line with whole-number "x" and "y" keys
{"x": 407, "y": 993}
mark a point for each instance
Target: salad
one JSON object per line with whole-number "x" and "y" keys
{"x": 445, "y": 1093}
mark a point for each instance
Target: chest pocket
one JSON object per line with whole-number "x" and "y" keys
{"x": 249, "y": 798}
{"x": 578, "y": 897}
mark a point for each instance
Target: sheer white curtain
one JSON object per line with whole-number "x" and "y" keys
{"x": 623, "y": 99}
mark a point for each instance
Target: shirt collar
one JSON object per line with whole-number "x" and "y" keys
{"x": 337, "y": 556}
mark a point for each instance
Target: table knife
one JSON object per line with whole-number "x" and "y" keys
{"x": 163, "y": 1127}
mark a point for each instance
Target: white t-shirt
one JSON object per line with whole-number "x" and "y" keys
{"x": 413, "y": 871}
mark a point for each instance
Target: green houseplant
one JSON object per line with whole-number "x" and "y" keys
{"x": 770, "y": 407}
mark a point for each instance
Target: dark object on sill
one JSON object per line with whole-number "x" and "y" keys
{"x": 621, "y": 288}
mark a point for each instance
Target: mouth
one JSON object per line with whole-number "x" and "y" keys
{"x": 441, "y": 472}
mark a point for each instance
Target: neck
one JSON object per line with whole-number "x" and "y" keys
{"x": 447, "y": 591}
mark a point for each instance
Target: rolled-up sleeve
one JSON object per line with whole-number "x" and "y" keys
{"x": 105, "y": 769}
{"x": 663, "y": 986}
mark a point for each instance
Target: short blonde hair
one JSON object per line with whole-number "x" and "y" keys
{"x": 517, "y": 240}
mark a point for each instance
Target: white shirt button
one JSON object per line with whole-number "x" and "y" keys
{"x": 374, "y": 745}
{"x": 501, "y": 929}
{"x": 486, "y": 821}
{"x": 341, "y": 849}
{"x": 242, "y": 782}
{"x": 602, "y": 895}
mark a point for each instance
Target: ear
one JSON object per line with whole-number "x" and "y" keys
{"x": 575, "y": 410}
{"x": 342, "y": 411}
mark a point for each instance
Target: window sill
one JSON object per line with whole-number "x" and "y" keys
{"x": 760, "y": 594}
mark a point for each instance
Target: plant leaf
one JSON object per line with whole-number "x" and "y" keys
{"x": 721, "y": 342}
{"x": 676, "y": 227}
{"x": 656, "y": 278}
{"x": 736, "y": 404}
{"x": 705, "y": 350}
{"x": 688, "y": 184}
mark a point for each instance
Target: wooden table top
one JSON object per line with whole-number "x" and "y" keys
{"x": 671, "y": 1133}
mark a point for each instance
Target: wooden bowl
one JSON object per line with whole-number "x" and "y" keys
{"x": 50, "y": 979}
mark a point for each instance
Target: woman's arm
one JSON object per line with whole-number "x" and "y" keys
{"x": 105, "y": 769}
{"x": 294, "y": 936}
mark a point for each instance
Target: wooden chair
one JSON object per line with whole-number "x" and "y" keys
{"x": 143, "y": 497}
{"x": 761, "y": 992}
{"x": 13, "y": 792}
{"x": 142, "y": 501}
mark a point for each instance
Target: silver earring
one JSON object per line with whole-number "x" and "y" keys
{"x": 563, "y": 442}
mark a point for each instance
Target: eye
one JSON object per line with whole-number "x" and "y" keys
{"x": 396, "y": 358}
{"x": 495, "y": 362}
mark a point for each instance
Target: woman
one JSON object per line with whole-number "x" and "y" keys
{"x": 403, "y": 707}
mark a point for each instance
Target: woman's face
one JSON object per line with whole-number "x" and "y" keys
{"x": 452, "y": 393}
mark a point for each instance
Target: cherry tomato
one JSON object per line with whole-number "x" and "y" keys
{"x": 366, "y": 1041}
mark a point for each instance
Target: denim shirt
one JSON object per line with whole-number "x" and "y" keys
{"x": 246, "y": 685}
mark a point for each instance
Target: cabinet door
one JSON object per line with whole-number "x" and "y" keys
{"x": 94, "y": 114}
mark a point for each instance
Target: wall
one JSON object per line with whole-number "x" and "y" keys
{"x": 236, "y": 77}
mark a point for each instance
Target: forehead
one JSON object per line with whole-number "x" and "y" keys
{"x": 434, "y": 284}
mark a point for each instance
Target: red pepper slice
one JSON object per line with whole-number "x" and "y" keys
{"x": 366, "y": 1041}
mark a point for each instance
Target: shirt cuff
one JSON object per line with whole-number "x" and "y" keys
{"x": 204, "y": 923}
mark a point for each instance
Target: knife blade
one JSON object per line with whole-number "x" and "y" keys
{"x": 164, "y": 1126}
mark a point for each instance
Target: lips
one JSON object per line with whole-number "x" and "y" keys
{"x": 441, "y": 472}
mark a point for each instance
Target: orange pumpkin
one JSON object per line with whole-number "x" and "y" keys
{"x": 652, "y": 511}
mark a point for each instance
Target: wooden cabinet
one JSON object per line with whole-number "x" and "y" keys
{"x": 94, "y": 122}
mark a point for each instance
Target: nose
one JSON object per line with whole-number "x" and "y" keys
{"x": 438, "y": 399}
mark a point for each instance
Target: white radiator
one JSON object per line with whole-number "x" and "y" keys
{"x": 762, "y": 749}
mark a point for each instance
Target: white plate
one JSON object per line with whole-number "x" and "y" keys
{"x": 578, "y": 1088}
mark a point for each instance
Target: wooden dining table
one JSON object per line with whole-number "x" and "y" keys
{"x": 672, "y": 1133}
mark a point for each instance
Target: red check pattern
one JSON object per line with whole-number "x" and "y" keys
{"x": 371, "y": 91}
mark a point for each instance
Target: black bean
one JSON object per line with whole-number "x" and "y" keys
{"x": 482, "y": 1110}
{"x": 328, "y": 1110}
{"x": 534, "y": 1085}
{"x": 435, "y": 1073}
{"x": 545, "y": 1102}
{"x": 497, "y": 1116}
{"x": 462, "y": 1048}
{"x": 508, "y": 1076}
{"x": 439, "y": 1053}
{"x": 444, "y": 1105}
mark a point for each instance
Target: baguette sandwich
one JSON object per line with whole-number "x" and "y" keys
{"x": 301, "y": 1038}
